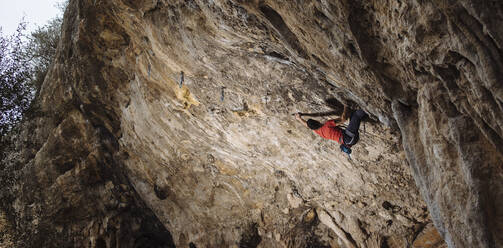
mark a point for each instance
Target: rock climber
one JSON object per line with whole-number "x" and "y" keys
{"x": 331, "y": 129}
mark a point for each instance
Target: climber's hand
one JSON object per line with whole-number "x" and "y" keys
{"x": 298, "y": 116}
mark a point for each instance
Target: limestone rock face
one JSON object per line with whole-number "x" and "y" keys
{"x": 125, "y": 150}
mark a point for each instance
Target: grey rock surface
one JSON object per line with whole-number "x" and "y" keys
{"x": 121, "y": 153}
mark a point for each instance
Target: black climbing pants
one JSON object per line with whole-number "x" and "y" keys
{"x": 354, "y": 124}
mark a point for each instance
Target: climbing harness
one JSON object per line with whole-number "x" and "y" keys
{"x": 346, "y": 147}
{"x": 351, "y": 135}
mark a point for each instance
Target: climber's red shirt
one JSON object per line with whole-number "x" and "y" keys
{"x": 330, "y": 131}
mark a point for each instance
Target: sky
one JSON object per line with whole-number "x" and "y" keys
{"x": 36, "y": 13}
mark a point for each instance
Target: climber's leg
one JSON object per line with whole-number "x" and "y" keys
{"x": 354, "y": 124}
{"x": 355, "y": 120}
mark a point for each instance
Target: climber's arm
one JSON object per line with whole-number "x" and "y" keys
{"x": 343, "y": 118}
{"x": 298, "y": 116}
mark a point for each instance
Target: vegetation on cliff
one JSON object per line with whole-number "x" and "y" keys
{"x": 24, "y": 62}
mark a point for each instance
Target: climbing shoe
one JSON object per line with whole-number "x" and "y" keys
{"x": 345, "y": 149}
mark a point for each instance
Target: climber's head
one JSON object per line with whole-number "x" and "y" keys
{"x": 313, "y": 124}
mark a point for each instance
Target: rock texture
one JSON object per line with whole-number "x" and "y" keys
{"x": 121, "y": 152}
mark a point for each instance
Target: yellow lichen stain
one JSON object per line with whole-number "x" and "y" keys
{"x": 258, "y": 205}
{"x": 107, "y": 35}
{"x": 248, "y": 111}
{"x": 309, "y": 216}
{"x": 243, "y": 113}
{"x": 185, "y": 157}
{"x": 225, "y": 169}
{"x": 246, "y": 193}
{"x": 428, "y": 238}
{"x": 183, "y": 94}
{"x": 237, "y": 184}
